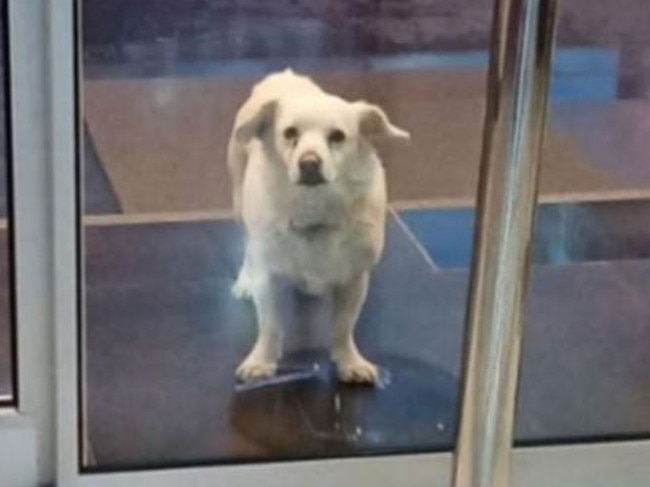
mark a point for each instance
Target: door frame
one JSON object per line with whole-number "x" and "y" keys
{"x": 46, "y": 139}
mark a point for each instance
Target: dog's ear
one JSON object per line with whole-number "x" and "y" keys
{"x": 373, "y": 122}
{"x": 255, "y": 123}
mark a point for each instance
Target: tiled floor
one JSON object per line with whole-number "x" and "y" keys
{"x": 164, "y": 336}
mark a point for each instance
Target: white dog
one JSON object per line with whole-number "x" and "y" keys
{"x": 311, "y": 191}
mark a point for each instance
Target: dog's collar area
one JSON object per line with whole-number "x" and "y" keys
{"x": 310, "y": 229}
{"x": 311, "y": 179}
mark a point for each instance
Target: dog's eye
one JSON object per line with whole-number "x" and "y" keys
{"x": 291, "y": 133}
{"x": 336, "y": 136}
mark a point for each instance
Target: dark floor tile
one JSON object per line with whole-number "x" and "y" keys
{"x": 635, "y": 274}
{"x": 128, "y": 255}
{"x": 161, "y": 354}
{"x": 162, "y": 350}
{"x": 160, "y": 365}
{"x": 585, "y": 368}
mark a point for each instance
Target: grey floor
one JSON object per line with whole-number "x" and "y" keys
{"x": 164, "y": 336}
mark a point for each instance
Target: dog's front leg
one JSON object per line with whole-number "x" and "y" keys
{"x": 270, "y": 298}
{"x": 352, "y": 366}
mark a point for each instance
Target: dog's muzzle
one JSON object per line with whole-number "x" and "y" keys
{"x": 310, "y": 166}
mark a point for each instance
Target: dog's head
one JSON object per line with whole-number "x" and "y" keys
{"x": 317, "y": 137}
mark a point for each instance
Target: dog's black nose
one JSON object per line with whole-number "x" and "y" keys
{"x": 310, "y": 170}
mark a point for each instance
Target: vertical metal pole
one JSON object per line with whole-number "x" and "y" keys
{"x": 519, "y": 75}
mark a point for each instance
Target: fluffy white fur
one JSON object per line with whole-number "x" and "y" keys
{"x": 318, "y": 239}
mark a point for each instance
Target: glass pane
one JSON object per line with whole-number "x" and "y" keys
{"x": 7, "y": 331}
{"x": 586, "y": 370}
{"x": 164, "y": 334}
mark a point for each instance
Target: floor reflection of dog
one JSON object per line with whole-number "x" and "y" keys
{"x": 311, "y": 191}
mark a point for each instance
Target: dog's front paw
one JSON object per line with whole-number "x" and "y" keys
{"x": 358, "y": 371}
{"x": 252, "y": 370}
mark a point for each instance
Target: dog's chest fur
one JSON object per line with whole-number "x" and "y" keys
{"x": 316, "y": 237}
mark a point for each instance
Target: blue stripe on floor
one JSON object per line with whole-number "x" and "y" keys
{"x": 564, "y": 233}
{"x": 567, "y": 60}
{"x": 578, "y": 73}
{"x": 445, "y": 234}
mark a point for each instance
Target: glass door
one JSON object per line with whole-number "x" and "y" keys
{"x": 163, "y": 247}
{"x": 162, "y": 331}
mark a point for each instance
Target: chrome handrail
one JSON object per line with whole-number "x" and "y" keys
{"x": 521, "y": 54}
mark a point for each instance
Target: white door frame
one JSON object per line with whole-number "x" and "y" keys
{"x": 28, "y": 433}
{"x": 45, "y": 148}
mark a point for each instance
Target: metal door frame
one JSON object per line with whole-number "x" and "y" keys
{"x": 45, "y": 95}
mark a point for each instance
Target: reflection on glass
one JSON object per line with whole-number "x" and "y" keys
{"x": 163, "y": 247}
{"x": 585, "y": 372}
{"x": 7, "y": 332}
